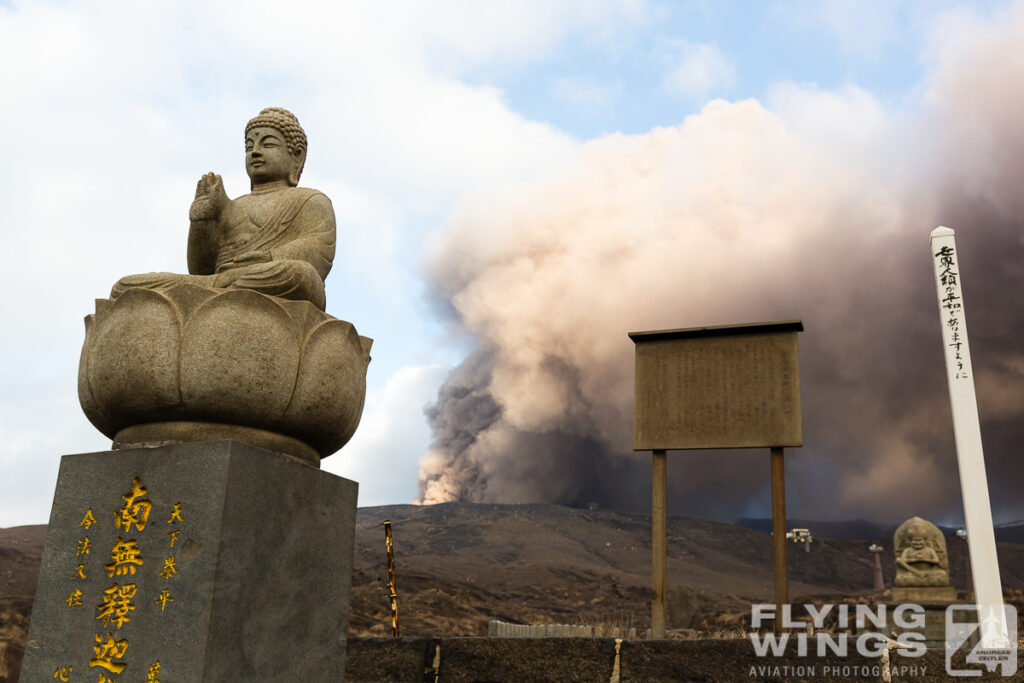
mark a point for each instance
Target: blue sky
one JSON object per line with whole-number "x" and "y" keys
{"x": 878, "y": 46}
{"x": 430, "y": 125}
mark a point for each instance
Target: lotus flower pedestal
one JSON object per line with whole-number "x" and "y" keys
{"x": 198, "y": 364}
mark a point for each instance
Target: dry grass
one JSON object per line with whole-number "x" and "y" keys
{"x": 13, "y": 630}
{"x": 725, "y": 634}
{"x": 612, "y": 625}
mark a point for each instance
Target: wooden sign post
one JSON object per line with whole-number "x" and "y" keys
{"x": 734, "y": 386}
{"x": 988, "y": 589}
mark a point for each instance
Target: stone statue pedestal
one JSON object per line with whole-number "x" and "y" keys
{"x": 193, "y": 363}
{"x": 933, "y": 629}
{"x": 205, "y": 561}
{"x": 924, "y": 595}
{"x": 933, "y": 600}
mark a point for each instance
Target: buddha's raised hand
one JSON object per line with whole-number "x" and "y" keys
{"x": 210, "y": 198}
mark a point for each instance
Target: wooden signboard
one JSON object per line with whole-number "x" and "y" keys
{"x": 736, "y": 386}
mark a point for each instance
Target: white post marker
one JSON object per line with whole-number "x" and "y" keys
{"x": 967, "y": 434}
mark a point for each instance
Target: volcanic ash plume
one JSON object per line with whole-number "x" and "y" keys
{"x": 816, "y": 207}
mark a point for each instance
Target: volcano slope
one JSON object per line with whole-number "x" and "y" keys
{"x": 459, "y": 565}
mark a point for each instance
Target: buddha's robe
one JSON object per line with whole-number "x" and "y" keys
{"x": 293, "y": 231}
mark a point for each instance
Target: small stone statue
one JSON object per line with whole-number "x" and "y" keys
{"x": 279, "y": 239}
{"x": 922, "y": 564}
{"x": 921, "y": 554}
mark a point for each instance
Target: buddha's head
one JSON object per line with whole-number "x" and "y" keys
{"x": 275, "y": 147}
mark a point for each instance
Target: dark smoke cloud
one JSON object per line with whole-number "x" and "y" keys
{"x": 817, "y": 206}
{"x": 464, "y": 410}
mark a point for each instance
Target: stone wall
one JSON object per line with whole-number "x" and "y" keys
{"x": 458, "y": 660}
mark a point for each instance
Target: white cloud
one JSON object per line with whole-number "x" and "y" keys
{"x": 849, "y": 121}
{"x": 974, "y": 101}
{"x": 391, "y": 438}
{"x": 526, "y": 30}
{"x": 695, "y": 69}
{"x": 41, "y": 421}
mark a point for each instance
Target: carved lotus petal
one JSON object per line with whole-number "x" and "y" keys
{"x": 239, "y": 358}
{"x": 130, "y": 358}
{"x": 323, "y": 384}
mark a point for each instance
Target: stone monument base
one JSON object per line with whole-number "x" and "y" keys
{"x": 921, "y": 595}
{"x": 934, "y": 627}
{"x": 208, "y": 561}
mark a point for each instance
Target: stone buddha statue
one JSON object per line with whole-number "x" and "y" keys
{"x": 241, "y": 347}
{"x": 278, "y": 240}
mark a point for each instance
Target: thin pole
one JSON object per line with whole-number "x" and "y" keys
{"x": 392, "y": 594}
{"x": 779, "y": 532}
{"x": 879, "y": 580}
{"x": 658, "y": 543}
